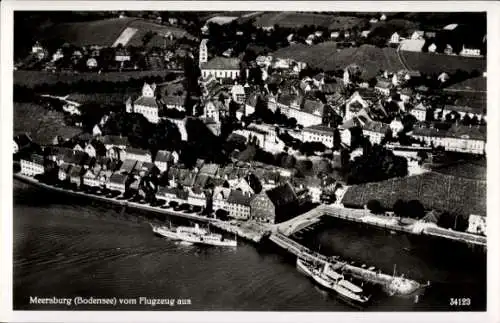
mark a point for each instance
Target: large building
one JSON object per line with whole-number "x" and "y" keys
{"x": 459, "y": 138}
{"x": 319, "y": 133}
{"x": 32, "y": 165}
{"x": 221, "y": 67}
{"x": 150, "y": 105}
{"x": 264, "y": 136}
{"x": 375, "y": 131}
{"x": 146, "y": 104}
{"x": 274, "y": 205}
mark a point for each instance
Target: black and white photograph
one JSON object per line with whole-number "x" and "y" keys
{"x": 248, "y": 159}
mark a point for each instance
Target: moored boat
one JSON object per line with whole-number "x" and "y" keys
{"x": 330, "y": 279}
{"x": 195, "y": 235}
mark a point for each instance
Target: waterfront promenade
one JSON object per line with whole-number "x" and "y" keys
{"x": 248, "y": 231}
{"x": 411, "y": 226}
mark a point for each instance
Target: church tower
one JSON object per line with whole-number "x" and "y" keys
{"x": 203, "y": 51}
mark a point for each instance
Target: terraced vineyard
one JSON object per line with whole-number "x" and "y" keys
{"x": 433, "y": 190}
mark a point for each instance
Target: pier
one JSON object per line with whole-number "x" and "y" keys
{"x": 392, "y": 285}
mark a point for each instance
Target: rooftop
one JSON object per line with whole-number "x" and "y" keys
{"x": 237, "y": 197}
{"x": 455, "y": 131}
{"x": 222, "y": 63}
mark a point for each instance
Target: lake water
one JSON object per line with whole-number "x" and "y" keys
{"x": 70, "y": 246}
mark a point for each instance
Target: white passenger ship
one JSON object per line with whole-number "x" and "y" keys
{"x": 195, "y": 235}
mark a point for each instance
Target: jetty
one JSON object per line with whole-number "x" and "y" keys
{"x": 392, "y": 285}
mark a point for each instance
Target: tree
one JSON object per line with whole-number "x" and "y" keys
{"x": 337, "y": 140}
{"x": 415, "y": 209}
{"x": 399, "y": 208}
{"x": 374, "y": 206}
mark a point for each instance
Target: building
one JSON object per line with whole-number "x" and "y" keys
{"x": 383, "y": 87}
{"x": 448, "y": 49}
{"x": 264, "y": 136}
{"x": 477, "y": 224}
{"x": 146, "y": 104}
{"x": 219, "y": 199}
{"x": 419, "y": 112}
{"x": 91, "y": 177}
{"x": 432, "y": 48}
{"x": 238, "y": 93}
{"x": 212, "y": 110}
{"x": 319, "y": 133}
{"x": 396, "y": 126}
{"x": 138, "y": 154}
{"x": 110, "y": 141}
{"x": 238, "y": 205}
{"x": 63, "y": 174}
{"x": 334, "y": 35}
{"x": 75, "y": 175}
{"x": 459, "y": 138}
{"x": 358, "y": 101}
{"x": 417, "y": 34}
{"x": 32, "y": 165}
{"x": 470, "y": 51}
{"x": 221, "y": 67}
{"x": 196, "y": 196}
{"x": 165, "y": 158}
{"x": 274, "y": 205}
{"x": 117, "y": 182}
{"x": 395, "y": 38}
{"x": 375, "y": 131}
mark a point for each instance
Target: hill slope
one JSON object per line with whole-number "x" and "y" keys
{"x": 106, "y": 32}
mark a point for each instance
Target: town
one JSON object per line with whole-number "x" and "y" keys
{"x": 259, "y": 137}
{"x": 187, "y": 151}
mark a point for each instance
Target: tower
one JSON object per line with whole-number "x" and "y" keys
{"x": 346, "y": 77}
{"x": 203, "y": 51}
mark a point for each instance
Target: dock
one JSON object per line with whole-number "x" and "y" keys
{"x": 392, "y": 285}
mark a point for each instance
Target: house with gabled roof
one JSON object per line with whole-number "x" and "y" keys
{"x": 117, "y": 182}
{"x": 274, "y": 205}
{"x": 32, "y": 165}
{"x": 138, "y": 154}
{"x": 238, "y": 204}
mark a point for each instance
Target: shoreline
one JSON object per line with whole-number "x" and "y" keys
{"x": 248, "y": 235}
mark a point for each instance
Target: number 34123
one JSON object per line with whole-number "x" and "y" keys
{"x": 460, "y": 301}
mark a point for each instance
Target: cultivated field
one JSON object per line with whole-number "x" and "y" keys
{"x": 431, "y": 63}
{"x": 371, "y": 59}
{"x": 100, "y": 32}
{"x": 34, "y": 78}
{"x": 43, "y": 125}
{"x": 106, "y": 32}
{"x": 476, "y": 84}
{"x": 435, "y": 191}
{"x": 300, "y": 19}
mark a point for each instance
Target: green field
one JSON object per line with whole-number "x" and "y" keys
{"x": 434, "y": 190}
{"x": 43, "y": 125}
{"x": 300, "y": 19}
{"x": 34, "y": 78}
{"x": 432, "y": 63}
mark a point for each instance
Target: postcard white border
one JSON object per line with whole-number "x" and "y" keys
{"x": 492, "y": 315}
